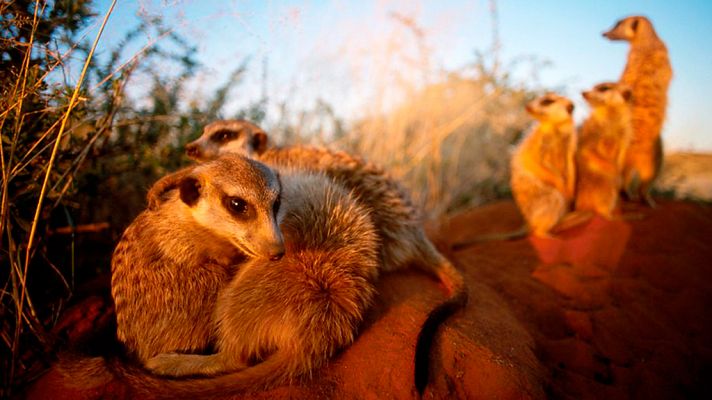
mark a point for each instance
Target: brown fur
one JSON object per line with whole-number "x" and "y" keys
{"x": 543, "y": 169}
{"x": 275, "y": 321}
{"x": 171, "y": 261}
{"x": 602, "y": 145}
{"x": 290, "y": 316}
{"x": 397, "y": 220}
{"x": 648, "y": 74}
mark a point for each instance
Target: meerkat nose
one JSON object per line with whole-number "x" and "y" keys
{"x": 191, "y": 149}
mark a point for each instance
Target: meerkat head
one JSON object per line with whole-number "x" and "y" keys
{"x": 552, "y": 108}
{"x": 629, "y": 28}
{"x": 228, "y": 136}
{"x": 237, "y": 199}
{"x": 608, "y": 94}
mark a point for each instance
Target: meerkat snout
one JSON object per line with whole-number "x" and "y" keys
{"x": 192, "y": 150}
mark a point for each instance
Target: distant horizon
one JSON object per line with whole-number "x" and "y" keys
{"x": 320, "y": 49}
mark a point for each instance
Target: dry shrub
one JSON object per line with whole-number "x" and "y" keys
{"x": 450, "y": 143}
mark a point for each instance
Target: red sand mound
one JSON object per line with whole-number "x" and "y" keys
{"x": 606, "y": 310}
{"x": 617, "y": 309}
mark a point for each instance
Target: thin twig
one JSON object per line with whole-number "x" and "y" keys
{"x": 38, "y": 210}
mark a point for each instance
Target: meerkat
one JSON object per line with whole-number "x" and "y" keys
{"x": 277, "y": 321}
{"x": 603, "y": 140}
{"x": 173, "y": 259}
{"x": 543, "y": 168}
{"x": 397, "y": 220}
{"x": 543, "y": 173}
{"x": 648, "y": 73}
{"x": 228, "y": 136}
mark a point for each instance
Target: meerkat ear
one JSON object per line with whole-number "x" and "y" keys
{"x": 190, "y": 188}
{"x": 570, "y": 108}
{"x": 627, "y": 94}
{"x": 157, "y": 194}
{"x": 634, "y": 25}
{"x": 259, "y": 142}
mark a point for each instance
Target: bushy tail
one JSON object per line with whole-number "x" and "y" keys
{"x": 81, "y": 371}
{"x": 277, "y": 369}
{"x": 87, "y": 372}
{"x": 457, "y": 289}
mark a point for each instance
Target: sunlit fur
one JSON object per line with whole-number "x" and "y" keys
{"x": 172, "y": 260}
{"x": 648, "y": 74}
{"x": 543, "y": 168}
{"x": 246, "y": 138}
{"x": 602, "y": 144}
{"x": 397, "y": 221}
{"x": 279, "y": 321}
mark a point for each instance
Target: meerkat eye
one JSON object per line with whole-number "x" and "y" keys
{"x": 276, "y": 205}
{"x": 237, "y": 206}
{"x": 223, "y": 136}
{"x": 604, "y": 88}
{"x": 547, "y": 102}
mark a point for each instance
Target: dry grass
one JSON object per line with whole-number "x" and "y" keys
{"x": 26, "y": 316}
{"x": 450, "y": 143}
{"x": 446, "y": 136}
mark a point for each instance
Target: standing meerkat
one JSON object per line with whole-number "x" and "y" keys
{"x": 648, "y": 74}
{"x": 602, "y": 144}
{"x": 278, "y": 321}
{"x": 543, "y": 168}
{"x": 173, "y": 259}
{"x": 397, "y": 220}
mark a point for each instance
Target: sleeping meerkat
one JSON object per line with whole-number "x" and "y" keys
{"x": 172, "y": 260}
{"x": 278, "y": 321}
{"x": 543, "y": 168}
{"x": 648, "y": 74}
{"x": 602, "y": 144}
{"x": 397, "y": 220}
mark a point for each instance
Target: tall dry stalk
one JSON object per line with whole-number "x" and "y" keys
{"x": 28, "y": 317}
{"x": 448, "y": 139}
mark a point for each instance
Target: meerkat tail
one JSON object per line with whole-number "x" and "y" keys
{"x": 454, "y": 282}
{"x": 573, "y": 219}
{"x": 81, "y": 371}
{"x": 278, "y": 369}
{"x": 499, "y": 236}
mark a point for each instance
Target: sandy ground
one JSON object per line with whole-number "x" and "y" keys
{"x": 617, "y": 309}
{"x": 610, "y": 309}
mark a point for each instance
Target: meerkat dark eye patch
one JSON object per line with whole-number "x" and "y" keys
{"x": 259, "y": 142}
{"x": 189, "y": 190}
{"x": 276, "y": 205}
{"x": 239, "y": 207}
{"x": 604, "y": 88}
{"x": 546, "y": 102}
{"x": 224, "y": 135}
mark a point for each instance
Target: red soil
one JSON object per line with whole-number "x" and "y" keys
{"x": 617, "y": 309}
{"x": 605, "y": 310}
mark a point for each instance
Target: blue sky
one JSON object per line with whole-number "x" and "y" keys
{"x": 324, "y": 49}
